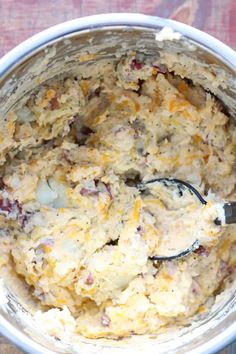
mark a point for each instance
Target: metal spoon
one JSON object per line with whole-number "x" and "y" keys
{"x": 229, "y": 211}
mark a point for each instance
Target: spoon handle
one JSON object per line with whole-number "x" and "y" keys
{"x": 230, "y": 212}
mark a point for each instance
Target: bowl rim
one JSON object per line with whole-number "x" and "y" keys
{"x": 15, "y": 55}
{"x": 25, "y": 49}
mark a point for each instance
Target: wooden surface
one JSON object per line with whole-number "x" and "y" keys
{"x": 19, "y": 19}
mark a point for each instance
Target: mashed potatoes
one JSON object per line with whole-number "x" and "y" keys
{"x": 75, "y": 227}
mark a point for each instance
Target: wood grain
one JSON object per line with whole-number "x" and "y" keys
{"x": 21, "y": 19}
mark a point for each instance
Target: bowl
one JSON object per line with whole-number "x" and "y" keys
{"x": 58, "y": 50}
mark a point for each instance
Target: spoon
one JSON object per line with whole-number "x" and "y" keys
{"x": 229, "y": 210}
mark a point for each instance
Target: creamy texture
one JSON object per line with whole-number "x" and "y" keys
{"x": 74, "y": 225}
{"x": 181, "y": 218}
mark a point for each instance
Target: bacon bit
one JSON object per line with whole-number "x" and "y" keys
{"x": 202, "y": 251}
{"x": 53, "y": 104}
{"x": 88, "y": 192}
{"x": 13, "y": 210}
{"x": 136, "y": 65}
{"x": 89, "y": 280}
{"x": 8, "y": 206}
{"x": 105, "y": 320}
{"x": 5, "y": 205}
{"x": 160, "y": 69}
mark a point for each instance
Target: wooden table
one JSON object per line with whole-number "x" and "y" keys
{"x": 21, "y": 19}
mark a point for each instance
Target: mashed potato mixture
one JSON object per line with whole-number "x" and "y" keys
{"x": 75, "y": 227}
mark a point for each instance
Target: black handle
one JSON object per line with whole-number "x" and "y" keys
{"x": 230, "y": 212}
